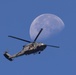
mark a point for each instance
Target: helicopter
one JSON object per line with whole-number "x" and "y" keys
{"x": 32, "y": 48}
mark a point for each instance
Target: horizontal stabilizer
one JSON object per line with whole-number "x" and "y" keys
{"x": 7, "y": 56}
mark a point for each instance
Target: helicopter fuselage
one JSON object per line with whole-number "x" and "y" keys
{"x": 33, "y": 48}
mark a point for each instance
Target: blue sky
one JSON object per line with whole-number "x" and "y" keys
{"x": 15, "y": 19}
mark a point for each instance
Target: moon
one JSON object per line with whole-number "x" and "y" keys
{"x": 50, "y": 23}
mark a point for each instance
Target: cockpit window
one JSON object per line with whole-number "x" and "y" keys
{"x": 42, "y": 44}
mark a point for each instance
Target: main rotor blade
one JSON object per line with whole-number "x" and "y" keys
{"x": 53, "y": 46}
{"x": 38, "y": 34}
{"x": 19, "y": 39}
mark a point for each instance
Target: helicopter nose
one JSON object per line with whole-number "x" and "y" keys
{"x": 43, "y": 46}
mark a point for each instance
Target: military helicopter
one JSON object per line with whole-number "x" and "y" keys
{"x": 32, "y": 48}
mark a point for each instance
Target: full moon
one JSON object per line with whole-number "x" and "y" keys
{"x": 50, "y": 23}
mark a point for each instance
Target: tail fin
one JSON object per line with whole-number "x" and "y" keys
{"x": 8, "y": 56}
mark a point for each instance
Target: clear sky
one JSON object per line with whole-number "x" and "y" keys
{"x": 15, "y": 19}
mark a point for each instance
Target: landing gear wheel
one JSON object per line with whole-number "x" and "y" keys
{"x": 39, "y": 52}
